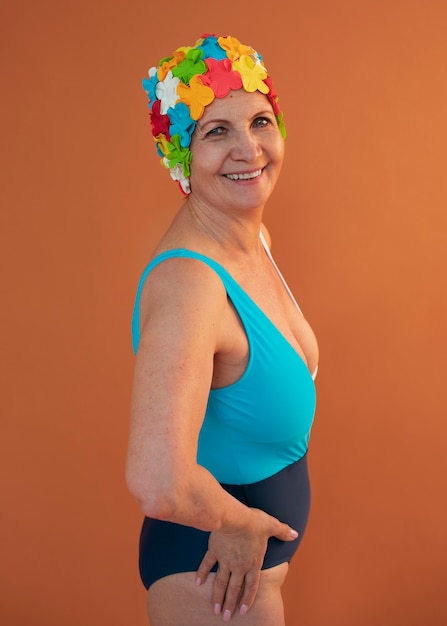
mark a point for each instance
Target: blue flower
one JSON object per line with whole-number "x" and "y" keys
{"x": 211, "y": 49}
{"x": 182, "y": 123}
{"x": 149, "y": 85}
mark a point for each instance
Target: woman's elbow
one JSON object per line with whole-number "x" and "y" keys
{"x": 154, "y": 500}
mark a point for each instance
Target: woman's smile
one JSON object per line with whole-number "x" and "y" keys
{"x": 244, "y": 176}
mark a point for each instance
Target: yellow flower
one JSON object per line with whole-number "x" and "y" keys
{"x": 162, "y": 144}
{"x": 182, "y": 52}
{"x": 252, "y": 74}
{"x": 197, "y": 96}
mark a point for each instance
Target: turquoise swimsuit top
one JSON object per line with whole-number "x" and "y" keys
{"x": 260, "y": 424}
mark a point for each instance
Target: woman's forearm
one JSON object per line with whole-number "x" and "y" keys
{"x": 194, "y": 499}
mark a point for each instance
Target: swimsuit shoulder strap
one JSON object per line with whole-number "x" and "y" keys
{"x": 176, "y": 253}
{"x": 283, "y": 280}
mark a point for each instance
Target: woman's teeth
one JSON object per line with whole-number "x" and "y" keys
{"x": 244, "y": 176}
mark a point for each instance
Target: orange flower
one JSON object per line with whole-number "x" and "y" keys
{"x": 197, "y": 96}
{"x": 235, "y": 49}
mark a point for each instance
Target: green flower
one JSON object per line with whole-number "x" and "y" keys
{"x": 191, "y": 65}
{"x": 178, "y": 155}
{"x": 281, "y": 125}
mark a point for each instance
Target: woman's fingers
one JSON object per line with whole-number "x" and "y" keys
{"x": 282, "y": 531}
{"x": 207, "y": 564}
{"x": 239, "y": 555}
{"x": 234, "y": 592}
{"x": 249, "y": 591}
{"x": 285, "y": 533}
{"x": 220, "y": 591}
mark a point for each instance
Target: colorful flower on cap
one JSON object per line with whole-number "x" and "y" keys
{"x": 272, "y": 95}
{"x": 281, "y": 125}
{"x": 178, "y": 175}
{"x": 183, "y": 84}
{"x": 221, "y": 77}
{"x": 235, "y": 49}
{"x": 169, "y": 62}
{"x": 160, "y": 123}
{"x": 190, "y": 66}
{"x": 252, "y": 74}
{"x": 161, "y": 143}
{"x": 149, "y": 85}
{"x": 197, "y": 96}
{"x": 166, "y": 91}
{"x": 211, "y": 49}
{"x": 178, "y": 155}
{"x": 182, "y": 123}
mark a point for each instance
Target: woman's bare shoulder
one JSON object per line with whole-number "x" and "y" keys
{"x": 181, "y": 289}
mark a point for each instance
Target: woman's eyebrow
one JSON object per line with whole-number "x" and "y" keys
{"x": 216, "y": 120}
{"x": 221, "y": 120}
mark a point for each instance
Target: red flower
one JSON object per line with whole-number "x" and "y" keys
{"x": 160, "y": 123}
{"x": 220, "y": 77}
{"x": 272, "y": 95}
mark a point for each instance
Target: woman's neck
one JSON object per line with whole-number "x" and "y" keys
{"x": 234, "y": 232}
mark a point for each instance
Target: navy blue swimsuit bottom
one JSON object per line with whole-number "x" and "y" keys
{"x": 167, "y": 548}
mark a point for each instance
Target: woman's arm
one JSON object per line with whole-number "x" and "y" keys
{"x": 181, "y": 309}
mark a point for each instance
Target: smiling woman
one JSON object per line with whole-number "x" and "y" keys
{"x": 185, "y": 83}
{"x": 223, "y": 397}
{"x": 237, "y": 147}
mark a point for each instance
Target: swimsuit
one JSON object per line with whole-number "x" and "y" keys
{"x": 253, "y": 439}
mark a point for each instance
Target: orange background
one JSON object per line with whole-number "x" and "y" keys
{"x": 359, "y": 225}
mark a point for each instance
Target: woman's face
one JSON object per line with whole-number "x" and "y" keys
{"x": 237, "y": 152}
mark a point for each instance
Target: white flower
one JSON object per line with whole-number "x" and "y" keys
{"x": 258, "y": 60}
{"x": 177, "y": 174}
{"x": 166, "y": 92}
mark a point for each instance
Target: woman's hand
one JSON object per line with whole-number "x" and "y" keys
{"x": 240, "y": 554}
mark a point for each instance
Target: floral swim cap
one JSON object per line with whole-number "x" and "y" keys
{"x": 184, "y": 83}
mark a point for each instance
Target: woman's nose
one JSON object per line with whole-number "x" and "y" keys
{"x": 246, "y": 146}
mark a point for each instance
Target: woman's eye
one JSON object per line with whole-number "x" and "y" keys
{"x": 219, "y": 130}
{"x": 261, "y": 121}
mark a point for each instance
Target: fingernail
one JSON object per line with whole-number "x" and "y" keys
{"x": 243, "y": 609}
{"x": 293, "y": 534}
{"x": 217, "y": 608}
{"x": 198, "y": 581}
{"x": 227, "y": 616}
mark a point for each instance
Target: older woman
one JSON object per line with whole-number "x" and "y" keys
{"x": 223, "y": 396}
